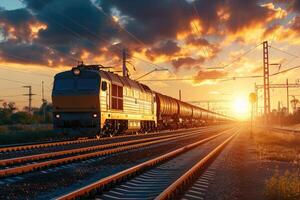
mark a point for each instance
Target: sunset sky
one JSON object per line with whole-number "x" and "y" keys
{"x": 39, "y": 38}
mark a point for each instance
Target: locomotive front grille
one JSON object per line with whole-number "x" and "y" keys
{"x": 76, "y": 120}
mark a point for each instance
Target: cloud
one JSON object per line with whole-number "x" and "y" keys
{"x": 270, "y": 31}
{"x": 187, "y": 62}
{"x": 15, "y": 25}
{"x": 211, "y": 75}
{"x": 64, "y": 29}
{"x": 167, "y": 48}
{"x": 296, "y": 24}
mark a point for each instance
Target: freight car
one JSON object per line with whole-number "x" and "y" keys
{"x": 93, "y": 101}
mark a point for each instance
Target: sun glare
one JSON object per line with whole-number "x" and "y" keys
{"x": 241, "y": 108}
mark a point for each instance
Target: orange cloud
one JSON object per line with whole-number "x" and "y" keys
{"x": 211, "y": 76}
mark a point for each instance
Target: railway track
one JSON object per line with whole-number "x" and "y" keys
{"x": 33, "y": 146}
{"x": 163, "y": 177}
{"x": 19, "y": 165}
{"x": 54, "y": 181}
{"x": 283, "y": 130}
{"x": 27, "y": 150}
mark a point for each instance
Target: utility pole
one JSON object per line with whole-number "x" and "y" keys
{"x": 286, "y": 86}
{"x": 43, "y": 102}
{"x": 30, "y": 94}
{"x": 124, "y": 68}
{"x": 287, "y": 96}
{"x": 256, "y": 103}
{"x": 180, "y": 95}
{"x": 252, "y": 100}
{"x": 266, "y": 79}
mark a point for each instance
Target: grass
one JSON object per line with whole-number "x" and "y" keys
{"x": 27, "y": 133}
{"x": 278, "y": 146}
{"x": 283, "y": 187}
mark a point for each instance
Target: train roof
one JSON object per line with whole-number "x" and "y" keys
{"x": 94, "y": 71}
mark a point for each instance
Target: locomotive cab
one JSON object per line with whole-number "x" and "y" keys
{"x": 76, "y": 103}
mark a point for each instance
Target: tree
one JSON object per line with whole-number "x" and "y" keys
{"x": 294, "y": 103}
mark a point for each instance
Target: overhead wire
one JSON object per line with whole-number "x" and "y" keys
{"x": 240, "y": 56}
{"x": 17, "y": 81}
{"x": 120, "y": 26}
{"x": 204, "y": 49}
{"x": 29, "y": 72}
{"x": 283, "y": 51}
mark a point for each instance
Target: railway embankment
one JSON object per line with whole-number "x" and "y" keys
{"x": 263, "y": 166}
{"x": 19, "y": 133}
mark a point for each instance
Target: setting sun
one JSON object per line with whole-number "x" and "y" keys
{"x": 240, "y": 108}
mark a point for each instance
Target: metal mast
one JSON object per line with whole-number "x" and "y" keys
{"x": 124, "y": 68}
{"x": 30, "y": 94}
{"x": 266, "y": 78}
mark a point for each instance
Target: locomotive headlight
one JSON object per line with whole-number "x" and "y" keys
{"x": 95, "y": 115}
{"x": 57, "y": 116}
{"x": 76, "y": 72}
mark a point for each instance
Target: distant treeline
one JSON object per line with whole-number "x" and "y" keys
{"x": 9, "y": 114}
{"x": 282, "y": 118}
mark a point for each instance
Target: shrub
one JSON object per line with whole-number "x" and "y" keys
{"x": 283, "y": 187}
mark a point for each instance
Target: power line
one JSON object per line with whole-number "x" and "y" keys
{"x": 29, "y": 72}
{"x": 286, "y": 70}
{"x": 239, "y": 57}
{"x": 204, "y": 49}
{"x": 192, "y": 79}
{"x": 227, "y": 79}
{"x": 10, "y": 96}
{"x": 16, "y": 81}
{"x": 96, "y": 35}
{"x": 9, "y": 88}
{"x": 129, "y": 33}
{"x": 286, "y": 52}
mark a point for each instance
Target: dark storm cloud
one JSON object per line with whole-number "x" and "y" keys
{"x": 75, "y": 21}
{"x": 16, "y": 23}
{"x": 197, "y": 41}
{"x": 23, "y": 53}
{"x": 37, "y": 4}
{"x": 296, "y": 24}
{"x": 167, "y": 48}
{"x": 187, "y": 62}
{"x": 71, "y": 27}
{"x": 74, "y": 26}
{"x": 296, "y": 5}
{"x": 153, "y": 20}
{"x": 201, "y": 42}
{"x": 246, "y": 14}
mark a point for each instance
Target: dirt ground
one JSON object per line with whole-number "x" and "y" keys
{"x": 249, "y": 168}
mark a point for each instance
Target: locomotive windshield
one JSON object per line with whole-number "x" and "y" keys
{"x": 64, "y": 84}
{"x": 76, "y": 84}
{"x": 87, "y": 84}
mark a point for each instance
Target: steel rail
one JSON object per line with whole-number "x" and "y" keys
{"x": 284, "y": 130}
{"x": 177, "y": 188}
{"x": 128, "y": 173}
{"x": 60, "y": 143}
{"x": 15, "y": 160}
{"x": 40, "y": 165}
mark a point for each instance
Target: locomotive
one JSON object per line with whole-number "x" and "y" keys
{"x": 93, "y": 101}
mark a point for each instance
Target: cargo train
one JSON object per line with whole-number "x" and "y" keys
{"x": 92, "y": 101}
